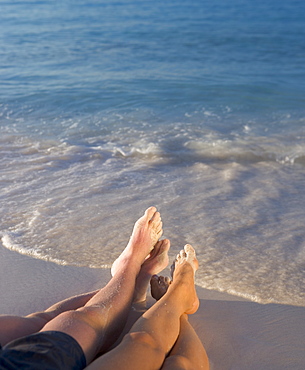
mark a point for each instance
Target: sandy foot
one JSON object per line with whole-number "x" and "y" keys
{"x": 183, "y": 274}
{"x": 146, "y": 232}
{"x": 187, "y": 254}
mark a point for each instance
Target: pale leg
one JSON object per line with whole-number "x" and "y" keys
{"x": 14, "y": 327}
{"x": 97, "y": 325}
{"x": 188, "y": 352}
{"x": 156, "y": 262}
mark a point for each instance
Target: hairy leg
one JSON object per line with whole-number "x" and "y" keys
{"x": 154, "y": 334}
{"x": 14, "y": 327}
{"x": 98, "y": 324}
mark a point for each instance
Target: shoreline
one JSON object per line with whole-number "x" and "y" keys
{"x": 236, "y": 333}
{"x": 38, "y": 284}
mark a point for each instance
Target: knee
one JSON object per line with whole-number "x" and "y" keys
{"x": 180, "y": 362}
{"x": 40, "y": 318}
{"x": 144, "y": 340}
{"x": 177, "y": 362}
{"x": 79, "y": 316}
{"x": 89, "y": 316}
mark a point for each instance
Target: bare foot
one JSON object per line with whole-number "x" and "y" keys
{"x": 188, "y": 253}
{"x": 159, "y": 286}
{"x": 146, "y": 232}
{"x": 185, "y": 266}
{"x": 155, "y": 263}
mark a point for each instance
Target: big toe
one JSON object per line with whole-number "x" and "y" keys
{"x": 150, "y": 212}
{"x": 189, "y": 249}
{"x": 154, "y": 284}
{"x": 191, "y": 256}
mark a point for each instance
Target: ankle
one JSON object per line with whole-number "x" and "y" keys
{"x": 128, "y": 265}
{"x": 184, "y": 294}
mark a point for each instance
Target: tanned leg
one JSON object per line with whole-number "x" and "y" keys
{"x": 98, "y": 324}
{"x": 152, "y": 337}
{"x": 188, "y": 352}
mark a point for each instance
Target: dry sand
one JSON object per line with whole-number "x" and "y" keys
{"x": 237, "y": 334}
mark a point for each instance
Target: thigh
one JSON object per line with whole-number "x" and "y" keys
{"x": 177, "y": 362}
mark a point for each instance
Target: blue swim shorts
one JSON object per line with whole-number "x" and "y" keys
{"x": 48, "y": 350}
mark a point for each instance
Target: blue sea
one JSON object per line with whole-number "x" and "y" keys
{"x": 197, "y": 107}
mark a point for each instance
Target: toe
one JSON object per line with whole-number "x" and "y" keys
{"x": 154, "y": 286}
{"x": 189, "y": 249}
{"x": 172, "y": 269}
{"x": 150, "y": 212}
{"x": 154, "y": 280}
{"x": 159, "y": 234}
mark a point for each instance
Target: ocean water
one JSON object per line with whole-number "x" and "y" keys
{"x": 108, "y": 107}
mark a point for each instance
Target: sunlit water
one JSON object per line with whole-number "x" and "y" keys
{"x": 110, "y": 107}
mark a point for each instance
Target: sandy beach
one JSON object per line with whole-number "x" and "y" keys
{"x": 195, "y": 107}
{"x": 237, "y": 334}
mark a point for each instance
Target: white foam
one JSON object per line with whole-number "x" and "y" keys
{"x": 9, "y": 242}
{"x": 236, "y": 198}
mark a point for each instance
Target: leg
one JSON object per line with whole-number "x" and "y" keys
{"x": 97, "y": 325}
{"x": 188, "y": 352}
{"x": 13, "y": 327}
{"x": 154, "y": 334}
{"x": 154, "y": 264}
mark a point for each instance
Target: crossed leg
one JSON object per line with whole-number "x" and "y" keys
{"x": 156, "y": 262}
{"x": 188, "y": 352}
{"x": 97, "y": 324}
{"x": 152, "y": 337}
